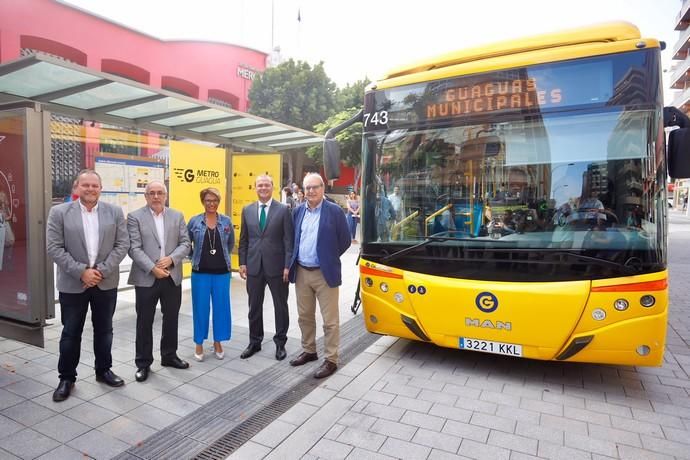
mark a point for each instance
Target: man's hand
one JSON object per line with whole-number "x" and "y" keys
{"x": 286, "y": 275}
{"x": 91, "y": 277}
{"x": 165, "y": 262}
{"x": 160, "y": 273}
{"x": 243, "y": 272}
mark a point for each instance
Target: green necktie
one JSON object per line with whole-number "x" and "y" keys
{"x": 262, "y": 217}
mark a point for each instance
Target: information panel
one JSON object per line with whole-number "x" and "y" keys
{"x": 193, "y": 168}
{"x": 14, "y": 296}
{"x": 124, "y": 180}
{"x": 245, "y": 169}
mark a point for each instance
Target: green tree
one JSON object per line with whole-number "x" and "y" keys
{"x": 352, "y": 95}
{"x": 294, "y": 93}
{"x": 349, "y": 140}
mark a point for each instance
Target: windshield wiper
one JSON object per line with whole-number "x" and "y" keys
{"x": 627, "y": 269}
{"x": 432, "y": 239}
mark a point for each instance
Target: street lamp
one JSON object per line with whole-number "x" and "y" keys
{"x": 560, "y": 166}
{"x": 565, "y": 176}
{"x": 556, "y": 189}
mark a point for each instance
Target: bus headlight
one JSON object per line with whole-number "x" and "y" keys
{"x": 621, "y": 304}
{"x": 647, "y": 301}
{"x": 384, "y": 287}
{"x": 598, "y": 314}
{"x": 369, "y": 282}
{"x": 643, "y": 350}
{"x": 399, "y": 297}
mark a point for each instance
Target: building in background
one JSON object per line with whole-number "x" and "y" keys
{"x": 219, "y": 73}
{"x": 680, "y": 81}
{"x": 216, "y": 72}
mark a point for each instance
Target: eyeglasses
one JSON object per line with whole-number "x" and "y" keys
{"x": 212, "y": 201}
{"x": 156, "y": 193}
{"x": 309, "y": 188}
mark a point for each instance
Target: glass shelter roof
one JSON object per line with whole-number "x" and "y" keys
{"x": 77, "y": 91}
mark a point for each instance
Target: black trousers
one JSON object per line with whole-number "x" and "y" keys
{"x": 147, "y": 298}
{"x": 256, "y": 287}
{"x": 73, "y": 308}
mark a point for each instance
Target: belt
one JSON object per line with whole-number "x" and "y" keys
{"x": 311, "y": 269}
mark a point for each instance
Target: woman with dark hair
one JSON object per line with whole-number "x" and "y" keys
{"x": 353, "y": 214}
{"x": 212, "y": 239}
{"x": 300, "y": 197}
{"x": 289, "y": 200}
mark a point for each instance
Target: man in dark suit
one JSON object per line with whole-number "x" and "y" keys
{"x": 159, "y": 241}
{"x": 265, "y": 252}
{"x": 322, "y": 235}
{"x": 87, "y": 239}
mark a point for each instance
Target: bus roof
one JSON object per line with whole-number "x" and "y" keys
{"x": 598, "y": 33}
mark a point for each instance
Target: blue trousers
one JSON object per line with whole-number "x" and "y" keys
{"x": 352, "y": 223}
{"x": 210, "y": 289}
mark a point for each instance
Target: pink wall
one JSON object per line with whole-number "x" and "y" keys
{"x": 207, "y": 65}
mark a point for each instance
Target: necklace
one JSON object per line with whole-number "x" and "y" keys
{"x": 211, "y": 240}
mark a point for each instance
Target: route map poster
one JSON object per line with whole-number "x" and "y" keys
{"x": 124, "y": 180}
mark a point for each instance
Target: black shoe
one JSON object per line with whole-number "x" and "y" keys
{"x": 325, "y": 369}
{"x": 109, "y": 378}
{"x": 304, "y": 358}
{"x": 175, "y": 362}
{"x": 280, "y": 352}
{"x": 250, "y": 350}
{"x": 63, "y": 390}
{"x": 142, "y": 374}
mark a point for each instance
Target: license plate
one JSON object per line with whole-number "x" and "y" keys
{"x": 488, "y": 346}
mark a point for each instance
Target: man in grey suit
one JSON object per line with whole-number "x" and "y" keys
{"x": 158, "y": 243}
{"x": 87, "y": 239}
{"x": 265, "y": 252}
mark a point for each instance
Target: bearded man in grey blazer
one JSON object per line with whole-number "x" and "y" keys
{"x": 87, "y": 239}
{"x": 265, "y": 252}
{"x": 159, "y": 241}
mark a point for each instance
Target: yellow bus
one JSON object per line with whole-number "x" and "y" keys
{"x": 514, "y": 198}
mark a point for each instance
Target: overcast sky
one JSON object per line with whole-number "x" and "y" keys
{"x": 357, "y": 38}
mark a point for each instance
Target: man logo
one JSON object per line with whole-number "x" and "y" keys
{"x": 486, "y": 302}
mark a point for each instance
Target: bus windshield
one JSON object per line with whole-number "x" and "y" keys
{"x": 580, "y": 182}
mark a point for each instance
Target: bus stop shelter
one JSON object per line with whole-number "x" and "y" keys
{"x": 33, "y": 87}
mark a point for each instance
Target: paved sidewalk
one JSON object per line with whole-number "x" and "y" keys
{"x": 398, "y": 399}
{"x": 412, "y": 400}
{"x": 100, "y": 422}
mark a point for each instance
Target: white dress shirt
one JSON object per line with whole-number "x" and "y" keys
{"x": 159, "y": 220}
{"x": 89, "y": 220}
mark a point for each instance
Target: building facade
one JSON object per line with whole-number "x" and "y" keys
{"x": 215, "y": 72}
{"x": 680, "y": 81}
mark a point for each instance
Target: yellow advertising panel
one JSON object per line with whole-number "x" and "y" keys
{"x": 192, "y": 169}
{"x": 245, "y": 169}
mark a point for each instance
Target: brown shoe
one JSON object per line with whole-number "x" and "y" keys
{"x": 325, "y": 369}
{"x": 304, "y": 358}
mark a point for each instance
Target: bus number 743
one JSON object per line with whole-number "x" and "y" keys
{"x": 377, "y": 118}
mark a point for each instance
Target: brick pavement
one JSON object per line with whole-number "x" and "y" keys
{"x": 100, "y": 422}
{"x": 399, "y": 399}
{"x": 411, "y": 400}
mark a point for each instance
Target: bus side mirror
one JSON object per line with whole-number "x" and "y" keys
{"x": 679, "y": 153}
{"x": 331, "y": 158}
